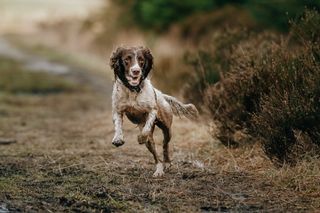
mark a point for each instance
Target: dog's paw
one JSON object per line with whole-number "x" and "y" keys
{"x": 142, "y": 139}
{"x": 167, "y": 165}
{"x": 118, "y": 142}
{"x": 159, "y": 171}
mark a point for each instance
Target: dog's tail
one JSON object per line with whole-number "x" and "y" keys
{"x": 179, "y": 109}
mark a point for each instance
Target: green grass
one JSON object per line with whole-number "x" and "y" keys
{"x": 15, "y": 79}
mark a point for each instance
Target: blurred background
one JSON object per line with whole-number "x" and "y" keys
{"x": 172, "y": 29}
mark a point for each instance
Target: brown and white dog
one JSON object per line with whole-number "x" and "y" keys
{"x": 134, "y": 96}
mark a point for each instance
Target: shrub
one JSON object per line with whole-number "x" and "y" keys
{"x": 213, "y": 64}
{"x": 291, "y": 105}
{"x": 236, "y": 96}
{"x": 269, "y": 90}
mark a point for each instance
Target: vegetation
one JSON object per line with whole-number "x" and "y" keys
{"x": 19, "y": 80}
{"x": 160, "y": 14}
{"x": 268, "y": 89}
{"x": 63, "y": 161}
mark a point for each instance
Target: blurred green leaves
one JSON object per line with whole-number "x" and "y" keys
{"x": 160, "y": 14}
{"x": 276, "y": 13}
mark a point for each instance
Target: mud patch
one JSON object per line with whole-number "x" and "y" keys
{"x": 83, "y": 206}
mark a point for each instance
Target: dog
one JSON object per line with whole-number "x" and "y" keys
{"x": 144, "y": 105}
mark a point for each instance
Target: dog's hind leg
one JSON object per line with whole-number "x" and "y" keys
{"x": 166, "y": 139}
{"x": 166, "y": 131}
{"x": 150, "y": 144}
{"x": 159, "y": 166}
{"x": 151, "y": 147}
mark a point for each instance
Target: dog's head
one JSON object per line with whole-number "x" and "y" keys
{"x": 131, "y": 65}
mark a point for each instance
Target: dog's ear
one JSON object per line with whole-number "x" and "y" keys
{"x": 149, "y": 62}
{"x": 115, "y": 60}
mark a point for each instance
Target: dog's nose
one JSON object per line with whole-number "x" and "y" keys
{"x": 136, "y": 71}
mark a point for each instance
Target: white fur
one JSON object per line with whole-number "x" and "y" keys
{"x": 148, "y": 108}
{"x": 151, "y": 101}
{"x": 117, "y": 120}
{"x": 159, "y": 170}
{"x": 135, "y": 65}
{"x": 147, "y": 100}
{"x": 123, "y": 98}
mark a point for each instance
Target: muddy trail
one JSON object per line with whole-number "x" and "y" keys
{"x": 62, "y": 159}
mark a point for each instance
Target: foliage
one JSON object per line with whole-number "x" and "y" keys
{"x": 270, "y": 90}
{"x": 274, "y": 13}
{"x": 160, "y": 14}
{"x": 209, "y": 67}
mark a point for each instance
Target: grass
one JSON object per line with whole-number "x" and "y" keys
{"x": 52, "y": 50}
{"x": 64, "y": 161}
{"x": 18, "y": 80}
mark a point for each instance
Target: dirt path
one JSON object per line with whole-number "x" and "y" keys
{"x": 24, "y": 16}
{"x": 38, "y": 63}
{"x": 63, "y": 160}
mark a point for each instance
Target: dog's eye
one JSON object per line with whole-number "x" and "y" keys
{"x": 127, "y": 60}
{"x": 141, "y": 60}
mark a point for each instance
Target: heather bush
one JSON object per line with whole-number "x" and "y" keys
{"x": 292, "y": 106}
{"x": 236, "y": 96}
{"x": 268, "y": 90}
{"x": 210, "y": 65}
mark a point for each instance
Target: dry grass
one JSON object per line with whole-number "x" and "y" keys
{"x": 64, "y": 161}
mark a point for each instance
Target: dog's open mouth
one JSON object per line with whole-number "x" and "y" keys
{"x": 134, "y": 80}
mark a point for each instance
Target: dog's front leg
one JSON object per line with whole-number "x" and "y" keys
{"x": 117, "y": 118}
{"x": 146, "y": 130}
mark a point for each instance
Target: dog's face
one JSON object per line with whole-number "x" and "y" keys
{"x": 131, "y": 65}
{"x": 134, "y": 61}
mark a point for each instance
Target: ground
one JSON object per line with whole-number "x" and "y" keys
{"x": 61, "y": 159}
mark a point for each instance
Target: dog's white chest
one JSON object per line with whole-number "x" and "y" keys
{"x": 142, "y": 101}
{"x": 134, "y": 101}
